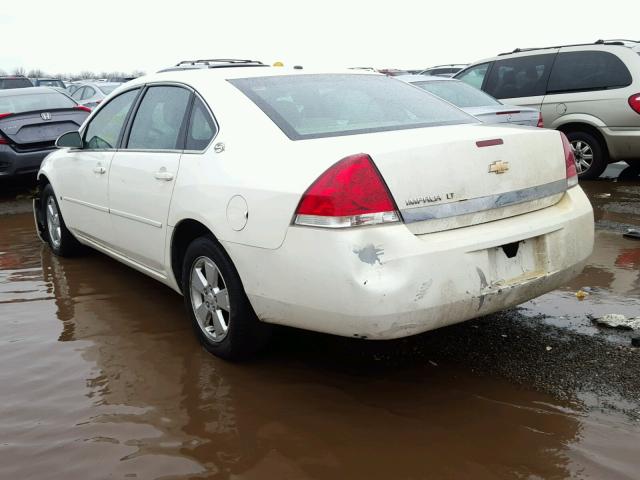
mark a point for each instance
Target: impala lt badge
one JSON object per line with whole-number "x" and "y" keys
{"x": 45, "y": 116}
{"x": 498, "y": 167}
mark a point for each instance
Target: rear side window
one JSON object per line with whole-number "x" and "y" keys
{"x": 587, "y": 70}
{"x": 314, "y": 106}
{"x": 202, "y": 128}
{"x": 474, "y": 76}
{"x": 159, "y": 121}
{"x": 520, "y": 76}
{"x": 88, "y": 93}
{"x": 51, "y": 83}
{"x": 105, "y": 127}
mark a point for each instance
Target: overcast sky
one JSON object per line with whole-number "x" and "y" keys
{"x": 109, "y": 35}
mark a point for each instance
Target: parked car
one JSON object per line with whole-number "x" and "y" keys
{"x": 324, "y": 201}
{"x": 30, "y": 121}
{"x": 14, "y": 81}
{"x": 48, "y": 82}
{"x": 392, "y": 72}
{"x": 444, "y": 70}
{"x": 91, "y": 94}
{"x": 475, "y": 102}
{"x": 72, "y": 87}
{"x": 590, "y": 92}
{"x": 120, "y": 79}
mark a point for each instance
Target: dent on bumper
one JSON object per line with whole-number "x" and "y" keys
{"x": 384, "y": 282}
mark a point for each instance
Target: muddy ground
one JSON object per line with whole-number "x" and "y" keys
{"x": 101, "y": 377}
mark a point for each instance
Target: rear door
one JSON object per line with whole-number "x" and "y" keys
{"x": 142, "y": 174}
{"x": 520, "y": 80}
{"x": 83, "y": 173}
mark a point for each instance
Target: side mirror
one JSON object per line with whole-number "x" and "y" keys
{"x": 69, "y": 140}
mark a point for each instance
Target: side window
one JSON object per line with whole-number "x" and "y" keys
{"x": 104, "y": 129}
{"x": 588, "y": 70}
{"x": 201, "y": 127}
{"x": 474, "y": 76}
{"x": 78, "y": 93}
{"x": 88, "y": 93}
{"x": 160, "y": 119}
{"x": 520, "y": 76}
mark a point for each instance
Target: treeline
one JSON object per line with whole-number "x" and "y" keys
{"x": 84, "y": 75}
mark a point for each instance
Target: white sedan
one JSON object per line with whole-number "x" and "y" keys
{"x": 348, "y": 203}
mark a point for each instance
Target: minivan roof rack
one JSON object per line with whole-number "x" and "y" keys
{"x": 618, "y": 42}
{"x": 213, "y": 63}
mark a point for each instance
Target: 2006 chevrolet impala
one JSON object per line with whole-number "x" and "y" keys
{"x": 348, "y": 203}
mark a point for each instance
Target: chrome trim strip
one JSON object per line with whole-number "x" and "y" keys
{"x": 86, "y": 204}
{"x": 490, "y": 202}
{"x": 136, "y": 218}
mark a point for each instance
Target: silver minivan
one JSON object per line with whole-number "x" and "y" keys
{"x": 591, "y": 92}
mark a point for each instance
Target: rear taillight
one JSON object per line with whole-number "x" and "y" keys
{"x": 83, "y": 108}
{"x": 3, "y": 141}
{"x": 634, "y": 102}
{"x": 540, "y": 121}
{"x": 349, "y": 194}
{"x": 570, "y": 162}
{"x": 3, "y": 115}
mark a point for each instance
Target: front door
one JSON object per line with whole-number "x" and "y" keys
{"x": 143, "y": 175}
{"x": 84, "y": 173}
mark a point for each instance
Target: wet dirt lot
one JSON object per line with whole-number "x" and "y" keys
{"x": 101, "y": 377}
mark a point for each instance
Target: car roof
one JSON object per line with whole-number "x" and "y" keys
{"x": 199, "y": 74}
{"x": 12, "y": 92}
{"x": 424, "y": 78}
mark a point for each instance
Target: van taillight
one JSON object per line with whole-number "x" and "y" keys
{"x": 350, "y": 193}
{"x": 540, "y": 121}
{"x": 634, "y": 102}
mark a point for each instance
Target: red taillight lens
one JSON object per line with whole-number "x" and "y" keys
{"x": 348, "y": 194}
{"x": 569, "y": 161}
{"x": 634, "y": 102}
{"x": 83, "y": 108}
{"x": 3, "y": 141}
{"x": 540, "y": 121}
{"x": 3, "y": 115}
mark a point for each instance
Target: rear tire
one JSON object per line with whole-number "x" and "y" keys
{"x": 218, "y": 307}
{"x": 56, "y": 233}
{"x": 591, "y": 156}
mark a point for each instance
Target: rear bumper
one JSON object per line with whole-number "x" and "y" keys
{"x": 385, "y": 282}
{"x": 623, "y": 143}
{"x": 17, "y": 163}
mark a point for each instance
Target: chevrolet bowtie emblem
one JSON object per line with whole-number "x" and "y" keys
{"x": 498, "y": 167}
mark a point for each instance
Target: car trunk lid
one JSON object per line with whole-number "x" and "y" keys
{"x": 505, "y": 114}
{"x": 41, "y": 128}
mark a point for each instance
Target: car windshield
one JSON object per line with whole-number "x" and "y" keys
{"x": 15, "y": 83}
{"x": 34, "y": 102}
{"x": 107, "y": 89}
{"x": 325, "y": 105}
{"x": 458, "y": 93}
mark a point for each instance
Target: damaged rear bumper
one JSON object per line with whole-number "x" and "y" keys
{"x": 385, "y": 282}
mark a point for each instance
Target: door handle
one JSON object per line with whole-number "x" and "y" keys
{"x": 163, "y": 175}
{"x": 99, "y": 169}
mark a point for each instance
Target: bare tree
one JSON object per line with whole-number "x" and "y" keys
{"x": 85, "y": 75}
{"x": 19, "y": 71}
{"x": 137, "y": 73}
{"x": 36, "y": 73}
{"x": 2, "y": 72}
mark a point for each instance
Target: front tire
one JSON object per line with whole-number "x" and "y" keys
{"x": 218, "y": 307}
{"x": 56, "y": 233}
{"x": 591, "y": 155}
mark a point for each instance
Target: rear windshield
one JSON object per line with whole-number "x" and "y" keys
{"x": 34, "y": 102}
{"x": 50, "y": 83}
{"x": 314, "y": 106}
{"x": 15, "y": 83}
{"x": 107, "y": 89}
{"x": 458, "y": 93}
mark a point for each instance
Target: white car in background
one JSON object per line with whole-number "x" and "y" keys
{"x": 475, "y": 102}
{"x": 347, "y": 203}
{"x": 90, "y": 94}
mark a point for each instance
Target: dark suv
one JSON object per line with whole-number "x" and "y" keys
{"x": 14, "y": 81}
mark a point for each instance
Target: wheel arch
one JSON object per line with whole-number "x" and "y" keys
{"x": 185, "y": 231}
{"x": 587, "y": 128}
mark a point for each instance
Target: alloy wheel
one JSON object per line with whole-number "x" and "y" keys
{"x": 53, "y": 222}
{"x": 209, "y": 299}
{"x": 584, "y": 155}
